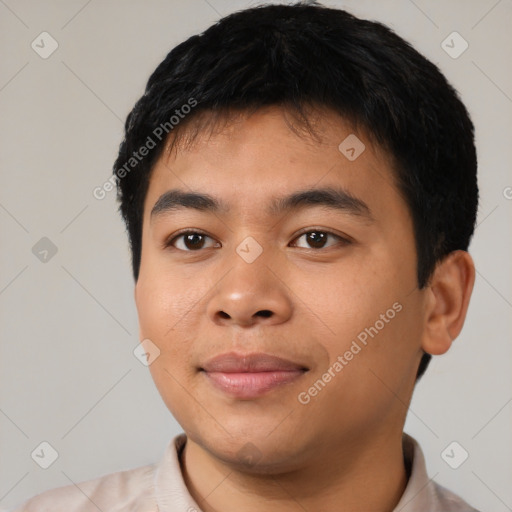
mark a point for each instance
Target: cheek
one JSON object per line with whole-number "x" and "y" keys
{"x": 390, "y": 352}
{"x": 347, "y": 297}
{"x": 165, "y": 306}
{"x": 165, "y": 310}
{"x": 163, "y": 296}
{"x": 370, "y": 314}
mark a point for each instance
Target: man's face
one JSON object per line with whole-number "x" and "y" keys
{"x": 330, "y": 288}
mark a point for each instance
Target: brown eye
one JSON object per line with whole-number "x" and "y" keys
{"x": 317, "y": 239}
{"x": 189, "y": 241}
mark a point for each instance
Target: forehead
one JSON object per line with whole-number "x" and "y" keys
{"x": 250, "y": 158}
{"x": 314, "y": 129}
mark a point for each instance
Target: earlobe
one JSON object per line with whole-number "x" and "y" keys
{"x": 447, "y": 301}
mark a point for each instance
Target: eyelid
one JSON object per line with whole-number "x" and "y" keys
{"x": 329, "y": 231}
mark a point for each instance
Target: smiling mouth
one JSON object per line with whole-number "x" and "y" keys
{"x": 252, "y": 384}
{"x": 251, "y": 375}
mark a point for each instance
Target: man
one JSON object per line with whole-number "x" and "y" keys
{"x": 299, "y": 188}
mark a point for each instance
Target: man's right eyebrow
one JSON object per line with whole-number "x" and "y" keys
{"x": 175, "y": 199}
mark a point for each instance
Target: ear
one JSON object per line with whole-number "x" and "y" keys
{"x": 447, "y": 302}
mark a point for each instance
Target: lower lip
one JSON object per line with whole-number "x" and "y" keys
{"x": 252, "y": 384}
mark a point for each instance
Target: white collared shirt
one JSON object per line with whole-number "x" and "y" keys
{"x": 160, "y": 488}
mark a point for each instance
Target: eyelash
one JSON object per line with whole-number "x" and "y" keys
{"x": 343, "y": 241}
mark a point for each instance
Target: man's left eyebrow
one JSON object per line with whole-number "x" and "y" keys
{"x": 327, "y": 197}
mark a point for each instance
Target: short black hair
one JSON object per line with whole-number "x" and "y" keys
{"x": 307, "y": 55}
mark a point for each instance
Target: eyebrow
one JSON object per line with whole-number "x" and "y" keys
{"x": 327, "y": 197}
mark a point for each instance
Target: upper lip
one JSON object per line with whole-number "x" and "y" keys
{"x": 258, "y": 362}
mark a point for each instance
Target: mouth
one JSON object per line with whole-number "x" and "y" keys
{"x": 251, "y": 375}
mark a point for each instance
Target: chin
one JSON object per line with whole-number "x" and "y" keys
{"x": 255, "y": 453}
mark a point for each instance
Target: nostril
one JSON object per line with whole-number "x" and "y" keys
{"x": 265, "y": 312}
{"x": 222, "y": 314}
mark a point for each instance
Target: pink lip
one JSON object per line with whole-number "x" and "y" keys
{"x": 251, "y": 375}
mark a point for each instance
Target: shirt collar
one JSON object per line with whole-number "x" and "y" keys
{"x": 420, "y": 492}
{"x": 171, "y": 493}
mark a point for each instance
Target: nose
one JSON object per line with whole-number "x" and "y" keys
{"x": 251, "y": 294}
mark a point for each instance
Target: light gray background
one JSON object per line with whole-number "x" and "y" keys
{"x": 68, "y": 326}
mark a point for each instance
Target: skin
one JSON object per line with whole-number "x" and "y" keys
{"x": 342, "y": 450}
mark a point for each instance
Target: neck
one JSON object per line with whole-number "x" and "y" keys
{"x": 366, "y": 474}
